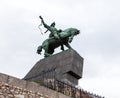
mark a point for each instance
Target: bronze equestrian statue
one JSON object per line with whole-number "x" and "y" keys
{"x": 56, "y": 38}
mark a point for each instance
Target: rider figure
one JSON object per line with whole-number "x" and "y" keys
{"x": 54, "y": 32}
{"x": 51, "y": 28}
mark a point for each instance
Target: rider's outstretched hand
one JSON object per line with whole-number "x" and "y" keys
{"x": 40, "y": 17}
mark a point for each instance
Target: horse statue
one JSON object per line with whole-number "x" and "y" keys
{"x": 66, "y": 37}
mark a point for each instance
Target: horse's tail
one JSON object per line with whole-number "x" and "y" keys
{"x": 39, "y": 49}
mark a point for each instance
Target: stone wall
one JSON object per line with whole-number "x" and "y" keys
{"x": 11, "y": 87}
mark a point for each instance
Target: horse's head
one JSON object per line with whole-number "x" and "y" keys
{"x": 76, "y": 31}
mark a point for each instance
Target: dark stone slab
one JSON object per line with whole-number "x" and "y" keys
{"x": 68, "y": 64}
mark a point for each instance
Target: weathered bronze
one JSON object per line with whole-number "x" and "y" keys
{"x": 51, "y": 28}
{"x": 56, "y": 38}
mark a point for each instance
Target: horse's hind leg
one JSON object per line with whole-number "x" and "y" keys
{"x": 46, "y": 54}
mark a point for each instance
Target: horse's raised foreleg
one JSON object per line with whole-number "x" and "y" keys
{"x": 39, "y": 49}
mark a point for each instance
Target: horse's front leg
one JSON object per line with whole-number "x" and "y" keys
{"x": 68, "y": 45}
{"x": 70, "y": 39}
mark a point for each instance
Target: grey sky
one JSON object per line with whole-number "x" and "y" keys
{"x": 98, "y": 43}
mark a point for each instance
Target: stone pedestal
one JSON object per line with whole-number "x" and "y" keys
{"x": 68, "y": 64}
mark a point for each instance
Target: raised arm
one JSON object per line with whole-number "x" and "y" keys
{"x": 45, "y": 25}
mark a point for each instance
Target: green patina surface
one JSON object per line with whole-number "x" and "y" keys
{"x": 56, "y": 38}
